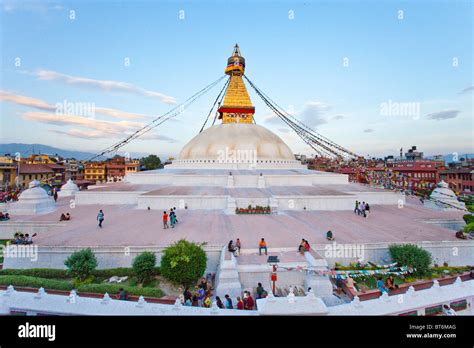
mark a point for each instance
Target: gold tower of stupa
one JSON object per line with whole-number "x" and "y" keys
{"x": 237, "y": 106}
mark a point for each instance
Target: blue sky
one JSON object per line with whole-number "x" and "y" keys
{"x": 295, "y": 52}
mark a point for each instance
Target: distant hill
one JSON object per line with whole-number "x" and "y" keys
{"x": 27, "y": 149}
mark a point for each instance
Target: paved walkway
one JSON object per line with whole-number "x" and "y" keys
{"x": 126, "y": 226}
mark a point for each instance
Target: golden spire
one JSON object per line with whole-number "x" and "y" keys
{"x": 237, "y": 106}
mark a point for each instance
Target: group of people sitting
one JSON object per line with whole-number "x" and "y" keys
{"x": 4, "y": 217}
{"x": 234, "y": 248}
{"x": 65, "y": 217}
{"x": 20, "y": 238}
{"x": 304, "y": 246}
{"x": 386, "y": 286}
{"x": 362, "y": 209}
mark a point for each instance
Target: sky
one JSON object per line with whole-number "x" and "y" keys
{"x": 372, "y": 76}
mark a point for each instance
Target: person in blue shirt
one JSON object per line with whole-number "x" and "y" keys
{"x": 381, "y": 286}
{"x": 228, "y": 302}
{"x": 100, "y": 217}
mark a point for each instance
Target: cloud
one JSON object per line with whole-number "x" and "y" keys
{"x": 104, "y": 85}
{"x": 42, "y": 105}
{"x": 443, "y": 115}
{"x": 78, "y": 133}
{"x": 467, "y": 90}
{"x": 368, "y": 130}
{"x": 106, "y": 127}
{"x": 25, "y": 101}
{"x": 338, "y": 117}
{"x": 313, "y": 113}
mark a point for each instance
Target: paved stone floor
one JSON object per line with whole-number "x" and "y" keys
{"x": 125, "y": 225}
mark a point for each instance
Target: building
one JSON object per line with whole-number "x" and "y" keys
{"x": 115, "y": 168}
{"x": 40, "y": 172}
{"x": 95, "y": 171}
{"x": 460, "y": 178}
{"x": 132, "y": 166}
{"x": 7, "y": 172}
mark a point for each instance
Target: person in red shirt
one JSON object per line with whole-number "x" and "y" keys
{"x": 250, "y": 302}
{"x": 240, "y": 304}
{"x": 306, "y": 245}
{"x": 165, "y": 220}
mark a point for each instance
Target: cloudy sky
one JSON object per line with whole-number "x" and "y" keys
{"x": 371, "y": 76}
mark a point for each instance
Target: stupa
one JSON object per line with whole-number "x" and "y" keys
{"x": 69, "y": 189}
{"x": 233, "y": 165}
{"x": 32, "y": 201}
{"x": 236, "y": 143}
{"x": 443, "y": 198}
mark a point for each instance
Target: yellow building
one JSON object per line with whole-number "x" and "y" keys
{"x": 40, "y": 159}
{"x": 7, "y": 172}
{"x": 132, "y": 166}
{"x": 95, "y": 171}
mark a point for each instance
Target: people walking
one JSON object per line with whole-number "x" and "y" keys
{"x": 367, "y": 210}
{"x": 362, "y": 209}
{"x": 356, "y": 209}
{"x": 172, "y": 218}
{"x": 165, "y": 220}
{"x": 100, "y": 217}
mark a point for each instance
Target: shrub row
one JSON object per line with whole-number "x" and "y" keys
{"x": 62, "y": 273}
{"x": 52, "y": 284}
{"x": 34, "y": 282}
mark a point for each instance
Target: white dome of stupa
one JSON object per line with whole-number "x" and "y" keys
{"x": 444, "y": 198}
{"x": 33, "y": 200}
{"x": 68, "y": 189}
{"x": 235, "y": 143}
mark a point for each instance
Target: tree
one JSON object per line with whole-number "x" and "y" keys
{"x": 144, "y": 266}
{"x": 151, "y": 162}
{"x": 81, "y": 264}
{"x": 183, "y": 262}
{"x": 412, "y": 256}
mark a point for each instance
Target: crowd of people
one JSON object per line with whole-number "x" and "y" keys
{"x": 362, "y": 209}
{"x": 173, "y": 220}
{"x": 202, "y": 297}
{"x": 9, "y": 195}
{"x": 22, "y": 239}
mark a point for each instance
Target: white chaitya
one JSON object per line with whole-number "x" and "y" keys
{"x": 237, "y": 146}
{"x": 68, "y": 189}
{"x": 443, "y": 198}
{"x": 32, "y": 201}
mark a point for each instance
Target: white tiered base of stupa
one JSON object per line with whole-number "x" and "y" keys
{"x": 216, "y": 189}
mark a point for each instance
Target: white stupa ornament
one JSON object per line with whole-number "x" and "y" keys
{"x": 32, "y": 201}
{"x": 68, "y": 189}
{"x": 443, "y": 198}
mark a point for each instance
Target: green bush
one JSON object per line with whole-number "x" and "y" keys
{"x": 183, "y": 262}
{"x": 51, "y": 284}
{"x": 412, "y": 256}
{"x": 37, "y": 272}
{"x": 114, "y": 289}
{"x": 143, "y": 266}
{"x": 468, "y": 218}
{"x": 63, "y": 273}
{"x": 81, "y": 264}
{"x": 34, "y": 282}
{"x": 469, "y": 228}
